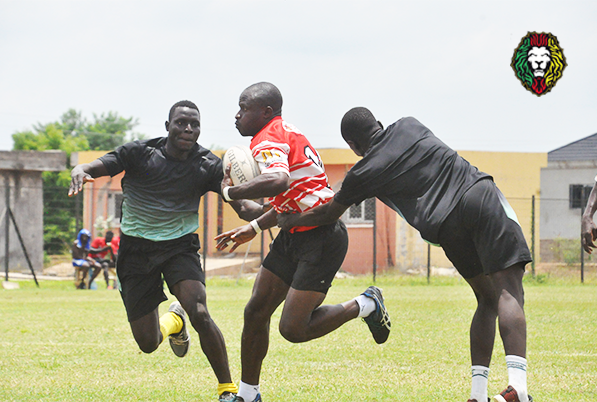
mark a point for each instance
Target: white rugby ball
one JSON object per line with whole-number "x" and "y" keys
{"x": 242, "y": 164}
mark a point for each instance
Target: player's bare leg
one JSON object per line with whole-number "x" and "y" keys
{"x": 146, "y": 331}
{"x": 269, "y": 292}
{"x": 192, "y": 297}
{"x": 512, "y": 321}
{"x": 304, "y": 319}
{"x": 483, "y": 325}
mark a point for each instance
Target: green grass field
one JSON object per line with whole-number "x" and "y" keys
{"x": 59, "y": 344}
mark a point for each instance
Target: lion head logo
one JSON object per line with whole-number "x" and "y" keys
{"x": 539, "y": 62}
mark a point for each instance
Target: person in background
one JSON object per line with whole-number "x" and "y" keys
{"x": 106, "y": 263}
{"x": 81, "y": 261}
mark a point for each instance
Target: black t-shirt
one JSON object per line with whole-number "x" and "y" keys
{"x": 161, "y": 194}
{"x": 414, "y": 173}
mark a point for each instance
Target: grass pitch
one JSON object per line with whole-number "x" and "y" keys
{"x": 62, "y": 344}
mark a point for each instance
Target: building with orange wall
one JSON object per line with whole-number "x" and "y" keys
{"x": 395, "y": 244}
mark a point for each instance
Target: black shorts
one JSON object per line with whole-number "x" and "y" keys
{"x": 308, "y": 260}
{"x": 482, "y": 235}
{"x": 141, "y": 264}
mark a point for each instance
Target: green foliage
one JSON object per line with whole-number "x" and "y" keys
{"x": 72, "y": 133}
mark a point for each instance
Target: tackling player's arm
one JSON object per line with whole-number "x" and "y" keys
{"x": 247, "y": 232}
{"x": 589, "y": 230}
{"x": 318, "y": 216}
{"x": 84, "y": 173}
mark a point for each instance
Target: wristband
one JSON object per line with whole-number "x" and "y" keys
{"x": 225, "y": 194}
{"x": 255, "y": 226}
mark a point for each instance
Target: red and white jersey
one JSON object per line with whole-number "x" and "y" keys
{"x": 281, "y": 147}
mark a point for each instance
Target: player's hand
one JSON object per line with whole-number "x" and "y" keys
{"x": 227, "y": 181}
{"x": 589, "y": 234}
{"x": 78, "y": 178}
{"x": 239, "y": 236}
{"x": 287, "y": 220}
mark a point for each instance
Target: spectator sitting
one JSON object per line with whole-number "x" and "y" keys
{"x": 81, "y": 261}
{"x": 110, "y": 244}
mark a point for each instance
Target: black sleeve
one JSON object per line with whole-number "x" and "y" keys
{"x": 122, "y": 158}
{"x": 216, "y": 174}
{"x": 352, "y": 191}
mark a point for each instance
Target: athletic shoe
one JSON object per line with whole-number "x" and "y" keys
{"x": 474, "y": 400}
{"x": 378, "y": 321}
{"x": 227, "y": 397}
{"x": 240, "y": 399}
{"x": 180, "y": 341}
{"x": 509, "y": 395}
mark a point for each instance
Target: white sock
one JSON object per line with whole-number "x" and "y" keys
{"x": 247, "y": 391}
{"x": 517, "y": 375}
{"x": 480, "y": 375}
{"x": 366, "y": 305}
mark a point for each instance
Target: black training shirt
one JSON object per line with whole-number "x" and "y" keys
{"x": 414, "y": 173}
{"x": 161, "y": 194}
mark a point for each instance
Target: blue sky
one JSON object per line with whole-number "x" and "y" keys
{"x": 447, "y": 63}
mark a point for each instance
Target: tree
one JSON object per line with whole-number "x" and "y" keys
{"x": 72, "y": 133}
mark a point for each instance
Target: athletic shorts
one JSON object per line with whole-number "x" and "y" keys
{"x": 142, "y": 263}
{"x": 308, "y": 260}
{"x": 482, "y": 235}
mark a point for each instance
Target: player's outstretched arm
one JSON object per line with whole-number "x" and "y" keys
{"x": 84, "y": 173}
{"x": 589, "y": 229}
{"x": 318, "y": 216}
{"x": 245, "y": 233}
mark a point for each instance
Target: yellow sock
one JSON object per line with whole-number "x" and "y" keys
{"x": 227, "y": 387}
{"x": 170, "y": 323}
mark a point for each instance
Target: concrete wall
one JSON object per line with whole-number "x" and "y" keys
{"x": 21, "y": 173}
{"x": 558, "y": 220}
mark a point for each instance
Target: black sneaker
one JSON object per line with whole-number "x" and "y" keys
{"x": 180, "y": 341}
{"x": 379, "y": 320}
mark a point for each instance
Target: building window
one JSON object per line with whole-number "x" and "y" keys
{"x": 579, "y": 194}
{"x": 364, "y": 213}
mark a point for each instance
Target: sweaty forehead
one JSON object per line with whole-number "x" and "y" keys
{"x": 185, "y": 112}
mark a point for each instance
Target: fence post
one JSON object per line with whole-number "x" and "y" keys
{"x": 582, "y": 253}
{"x": 428, "y": 263}
{"x": 533, "y": 235}
{"x": 374, "y": 239}
{"x": 7, "y": 228}
{"x": 205, "y": 231}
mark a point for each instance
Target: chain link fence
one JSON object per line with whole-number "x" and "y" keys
{"x": 551, "y": 227}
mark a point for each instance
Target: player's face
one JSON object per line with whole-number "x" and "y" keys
{"x": 250, "y": 117}
{"x": 183, "y": 129}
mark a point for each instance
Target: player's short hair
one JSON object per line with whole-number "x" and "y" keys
{"x": 358, "y": 122}
{"x": 266, "y": 94}
{"x": 109, "y": 234}
{"x": 182, "y": 103}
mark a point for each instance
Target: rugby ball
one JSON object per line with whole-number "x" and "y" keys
{"x": 242, "y": 164}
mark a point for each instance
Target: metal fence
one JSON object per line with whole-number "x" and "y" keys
{"x": 551, "y": 227}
